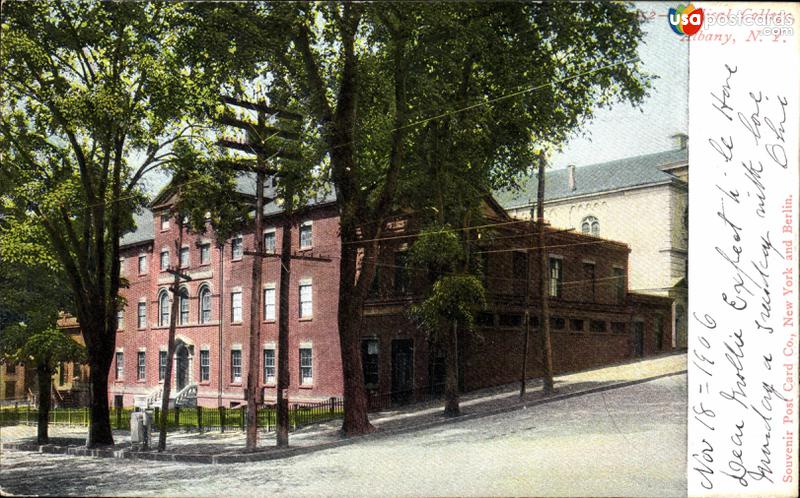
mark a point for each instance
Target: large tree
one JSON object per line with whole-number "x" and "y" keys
{"x": 379, "y": 79}
{"x": 93, "y": 96}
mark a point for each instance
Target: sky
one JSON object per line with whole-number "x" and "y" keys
{"x": 622, "y": 131}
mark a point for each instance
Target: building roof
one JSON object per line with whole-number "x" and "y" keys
{"x": 143, "y": 229}
{"x": 624, "y": 173}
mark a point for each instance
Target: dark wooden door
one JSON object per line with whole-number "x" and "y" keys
{"x": 402, "y": 370}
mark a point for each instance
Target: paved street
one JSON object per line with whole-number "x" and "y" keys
{"x": 625, "y": 441}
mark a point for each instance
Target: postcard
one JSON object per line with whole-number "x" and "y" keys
{"x": 399, "y": 248}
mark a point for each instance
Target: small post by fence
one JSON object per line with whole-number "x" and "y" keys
{"x": 200, "y": 419}
{"x": 269, "y": 418}
{"x": 333, "y": 404}
{"x": 177, "y": 416}
{"x": 242, "y": 415}
{"x": 119, "y": 417}
{"x": 222, "y": 418}
{"x": 294, "y": 419}
{"x": 155, "y": 416}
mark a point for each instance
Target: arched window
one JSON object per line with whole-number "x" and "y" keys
{"x": 590, "y": 225}
{"x": 163, "y": 309}
{"x": 184, "y": 306}
{"x": 205, "y": 304}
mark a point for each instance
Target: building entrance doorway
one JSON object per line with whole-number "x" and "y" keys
{"x": 402, "y": 370}
{"x": 181, "y": 366}
{"x": 638, "y": 339}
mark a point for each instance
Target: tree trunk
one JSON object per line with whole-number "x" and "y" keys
{"x": 99, "y": 423}
{"x": 45, "y": 384}
{"x": 356, "y": 420}
{"x": 451, "y": 408}
{"x": 544, "y": 317}
{"x": 282, "y": 423}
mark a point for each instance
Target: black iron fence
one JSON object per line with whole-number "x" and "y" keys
{"x": 197, "y": 418}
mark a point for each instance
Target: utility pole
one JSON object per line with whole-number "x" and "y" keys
{"x": 173, "y": 317}
{"x": 544, "y": 316}
{"x": 528, "y": 266}
{"x": 259, "y": 134}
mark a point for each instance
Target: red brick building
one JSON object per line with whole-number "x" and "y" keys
{"x": 595, "y": 320}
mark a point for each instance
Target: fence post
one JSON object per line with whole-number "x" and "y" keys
{"x": 294, "y": 421}
{"x": 241, "y": 416}
{"x": 333, "y": 405}
{"x": 199, "y": 418}
{"x": 156, "y": 410}
{"x": 222, "y": 418}
{"x": 69, "y": 417}
{"x": 119, "y": 417}
{"x": 177, "y": 417}
{"x": 269, "y": 418}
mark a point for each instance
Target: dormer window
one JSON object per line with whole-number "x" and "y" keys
{"x": 164, "y": 222}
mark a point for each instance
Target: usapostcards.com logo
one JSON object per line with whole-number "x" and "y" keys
{"x": 685, "y": 20}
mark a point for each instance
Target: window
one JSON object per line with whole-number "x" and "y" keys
{"x": 236, "y": 365}
{"x": 597, "y": 326}
{"x": 269, "y": 366}
{"x": 306, "y": 239}
{"x": 484, "y": 319}
{"x": 306, "y": 372}
{"x": 619, "y": 284}
{"x": 164, "y": 260}
{"x": 590, "y": 225}
{"x": 119, "y": 359}
{"x": 121, "y": 267}
{"x": 162, "y": 365}
{"x": 184, "y": 306}
{"x": 400, "y": 272}
{"x": 590, "y": 280}
{"x": 62, "y": 373}
{"x": 163, "y": 309}
{"x": 142, "y": 264}
{"x": 236, "y": 306}
{"x": 205, "y": 365}
{"x": 269, "y": 241}
{"x": 305, "y": 300}
{"x": 369, "y": 361}
{"x": 618, "y": 327}
{"x": 141, "y": 319}
{"x": 556, "y": 277}
{"x": 205, "y": 305}
{"x": 205, "y": 254}
{"x": 576, "y": 325}
{"x": 164, "y": 222}
{"x": 11, "y": 368}
{"x": 557, "y": 323}
{"x": 236, "y": 247}
{"x": 121, "y": 320}
{"x": 184, "y": 257}
{"x": 269, "y": 303}
{"x": 510, "y": 320}
{"x": 140, "y": 365}
{"x": 11, "y": 389}
{"x": 519, "y": 264}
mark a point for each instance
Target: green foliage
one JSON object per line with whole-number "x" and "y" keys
{"x": 31, "y": 298}
{"x": 453, "y": 298}
{"x": 438, "y": 250}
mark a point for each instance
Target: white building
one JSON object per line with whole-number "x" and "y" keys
{"x": 641, "y": 201}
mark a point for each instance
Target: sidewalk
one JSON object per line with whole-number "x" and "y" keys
{"x": 228, "y": 447}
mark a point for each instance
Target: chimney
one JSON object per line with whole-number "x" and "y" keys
{"x": 680, "y": 140}
{"x": 571, "y": 177}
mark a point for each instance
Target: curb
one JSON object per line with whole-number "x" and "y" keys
{"x": 274, "y": 454}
